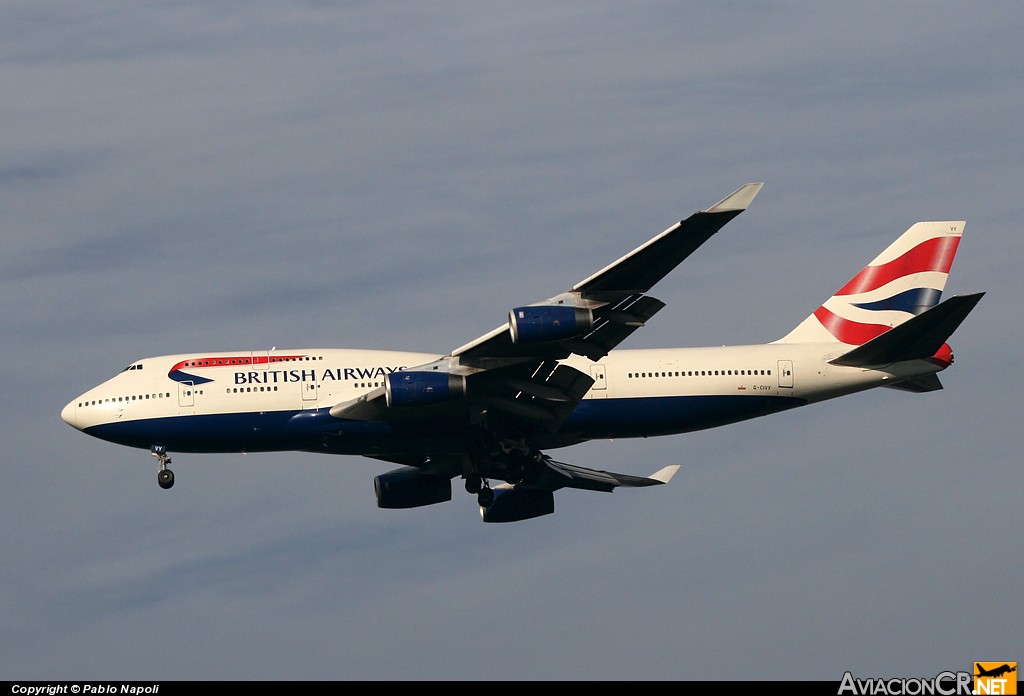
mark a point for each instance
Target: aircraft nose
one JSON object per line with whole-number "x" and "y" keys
{"x": 70, "y": 414}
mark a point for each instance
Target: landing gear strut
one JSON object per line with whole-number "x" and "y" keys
{"x": 515, "y": 466}
{"x": 479, "y": 486}
{"x": 164, "y": 476}
{"x": 485, "y": 497}
{"x": 513, "y": 461}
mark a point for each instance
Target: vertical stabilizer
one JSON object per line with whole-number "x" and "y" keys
{"x": 902, "y": 282}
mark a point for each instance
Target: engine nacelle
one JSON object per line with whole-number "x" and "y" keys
{"x": 515, "y": 504}
{"x": 548, "y": 323}
{"x": 409, "y": 488}
{"x": 423, "y": 388}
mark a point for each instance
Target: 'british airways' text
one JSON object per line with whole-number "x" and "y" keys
{"x": 328, "y": 375}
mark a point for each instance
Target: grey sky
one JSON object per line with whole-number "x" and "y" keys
{"x": 223, "y": 175}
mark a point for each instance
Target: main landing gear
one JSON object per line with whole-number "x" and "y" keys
{"x": 479, "y": 486}
{"x": 513, "y": 464}
{"x": 164, "y": 476}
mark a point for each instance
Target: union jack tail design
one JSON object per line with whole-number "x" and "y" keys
{"x": 902, "y": 282}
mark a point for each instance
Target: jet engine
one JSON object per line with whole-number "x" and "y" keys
{"x": 514, "y": 504}
{"x": 539, "y": 323}
{"x": 409, "y": 487}
{"x": 423, "y": 388}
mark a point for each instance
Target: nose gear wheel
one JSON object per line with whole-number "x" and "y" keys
{"x": 164, "y": 476}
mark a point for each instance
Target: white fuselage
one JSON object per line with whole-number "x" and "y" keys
{"x": 278, "y": 399}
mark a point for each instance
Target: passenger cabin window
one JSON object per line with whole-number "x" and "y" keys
{"x": 695, "y": 373}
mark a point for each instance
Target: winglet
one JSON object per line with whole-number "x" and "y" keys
{"x": 738, "y": 200}
{"x": 665, "y": 475}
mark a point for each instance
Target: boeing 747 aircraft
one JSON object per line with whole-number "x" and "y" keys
{"x": 549, "y": 377}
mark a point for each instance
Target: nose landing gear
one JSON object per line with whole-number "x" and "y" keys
{"x": 164, "y": 476}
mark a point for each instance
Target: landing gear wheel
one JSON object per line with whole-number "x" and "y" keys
{"x": 165, "y": 478}
{"x": 485, "y": 497}
{"x": 473, "y": 484}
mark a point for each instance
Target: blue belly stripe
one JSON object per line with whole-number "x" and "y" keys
{"x": 270, "y": 431}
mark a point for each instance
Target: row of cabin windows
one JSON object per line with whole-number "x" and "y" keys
{"x": 142, "y": 397}
{"x": 243, "y": 361}
{"x": 243, "y": 390}
{"x": 699, "y": 373}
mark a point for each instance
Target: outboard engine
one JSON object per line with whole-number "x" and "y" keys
{"x": 539, "y": 323}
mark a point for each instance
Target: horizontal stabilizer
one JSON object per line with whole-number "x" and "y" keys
{"x": 917, "y": 338}
{"x": 918, "y": 385}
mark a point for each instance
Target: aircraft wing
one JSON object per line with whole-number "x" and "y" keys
{"x": 515, "y": 370}
{"x": 534, "y": 496}
{"x": 550, "y": 477}
{"x": 557, "y": 475}
{"x": 615, "y": 295}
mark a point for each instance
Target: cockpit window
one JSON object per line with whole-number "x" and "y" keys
{"x": 135, "y": 366}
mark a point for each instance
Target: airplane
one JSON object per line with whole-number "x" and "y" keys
{"x": 996, "y": 672}
{"x": 550, "y": 377}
